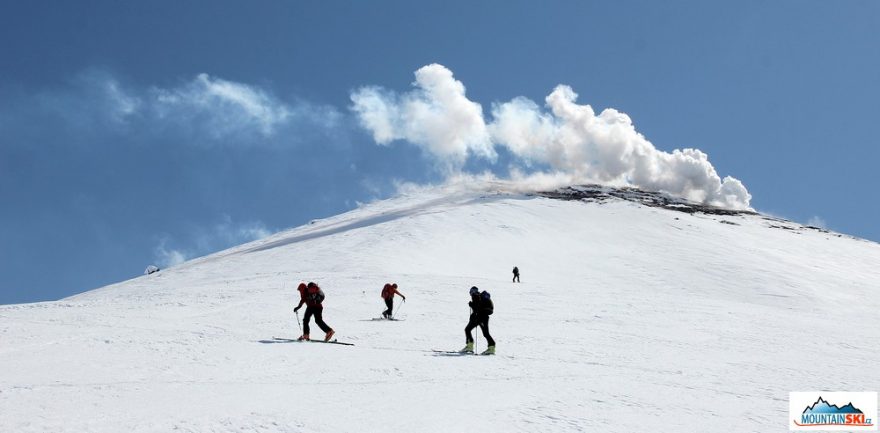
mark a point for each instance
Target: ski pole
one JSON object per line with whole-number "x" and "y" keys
{"x": 476, "y": 340}
{"x": 297, "y": 322}
{"x": 476, "y": 336}
{"x": 398, "y": 308}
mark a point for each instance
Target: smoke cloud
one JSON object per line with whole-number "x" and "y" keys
{"x": 570, "y": 139}
{"x": 436, "y": 115}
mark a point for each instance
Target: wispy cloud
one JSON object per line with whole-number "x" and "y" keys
{"x": 229, "y": 233}
{"x": 203, "y": 110}
{"x": 817, "y": 221}
{"x": 205, "y": 240}
{"x": 120, "y": 104}
{"x": 222, "y": 107}
{"x": 166, "y": 257}
{"x": 93, "y": 100}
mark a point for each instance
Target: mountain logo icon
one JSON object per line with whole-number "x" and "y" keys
{"x": 822, "y": 406}
{"x": 825, "y": 414}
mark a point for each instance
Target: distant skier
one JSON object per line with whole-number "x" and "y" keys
{"x": 388, "y": 293}
{"x": 312, "y": 296}
{"x": 481, "y": 309}
{"x": 516, "y": 274}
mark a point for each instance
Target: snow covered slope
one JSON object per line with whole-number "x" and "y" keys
{"x": 628, "y": 318}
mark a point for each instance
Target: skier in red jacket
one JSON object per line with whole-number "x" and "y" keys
{"x": 388, "y": 293}
{"x": 312, "y": 296}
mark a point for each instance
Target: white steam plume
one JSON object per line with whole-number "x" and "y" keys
{"x": 607, "y": 148}
{"x": 436, "y": 115}
{"x": 571, "y": 139}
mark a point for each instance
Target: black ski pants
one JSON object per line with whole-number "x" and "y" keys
{"x": 389, "y": 302}
{"x": 316, "y": 311}
{"x": 483, "y": 323}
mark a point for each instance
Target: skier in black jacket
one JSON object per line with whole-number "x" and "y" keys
{"x": 481, "y": 308}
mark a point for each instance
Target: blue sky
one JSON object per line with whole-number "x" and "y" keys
{"x": 140, "y": 133}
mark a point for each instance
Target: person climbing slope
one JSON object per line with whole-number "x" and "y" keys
{"x": 481, "y": 308}
{"x": 388, "y": 293}
{"x": 312, "y": 296}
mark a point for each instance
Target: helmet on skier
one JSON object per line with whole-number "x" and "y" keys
{"x": 312, "y": 284}
{"x": 474, "y": 290}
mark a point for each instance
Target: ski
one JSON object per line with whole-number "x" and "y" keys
{"x": 388, "y": 318}
{"x": 457, "y": 353}
{"x": 292, "y": 340}
{"x": 451, "y": 353}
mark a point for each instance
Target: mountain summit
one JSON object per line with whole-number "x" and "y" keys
{"x": 627, "y": 297}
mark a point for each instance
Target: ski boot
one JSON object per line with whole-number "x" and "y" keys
{"x": 468, "y": 348}
{"x": 329, "y": 335}
{"x": 304, "y": 337}
{"x": 489, "y": 351}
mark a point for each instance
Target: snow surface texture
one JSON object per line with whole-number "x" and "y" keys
{"x": 628, "y": 318}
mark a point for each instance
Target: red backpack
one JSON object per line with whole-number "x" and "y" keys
{"x": 314, "y": 295}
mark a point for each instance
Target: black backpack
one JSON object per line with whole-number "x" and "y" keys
{"x": 486, "y": 303}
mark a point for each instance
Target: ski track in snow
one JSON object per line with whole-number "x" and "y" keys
{"x": 628, "y": 319}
